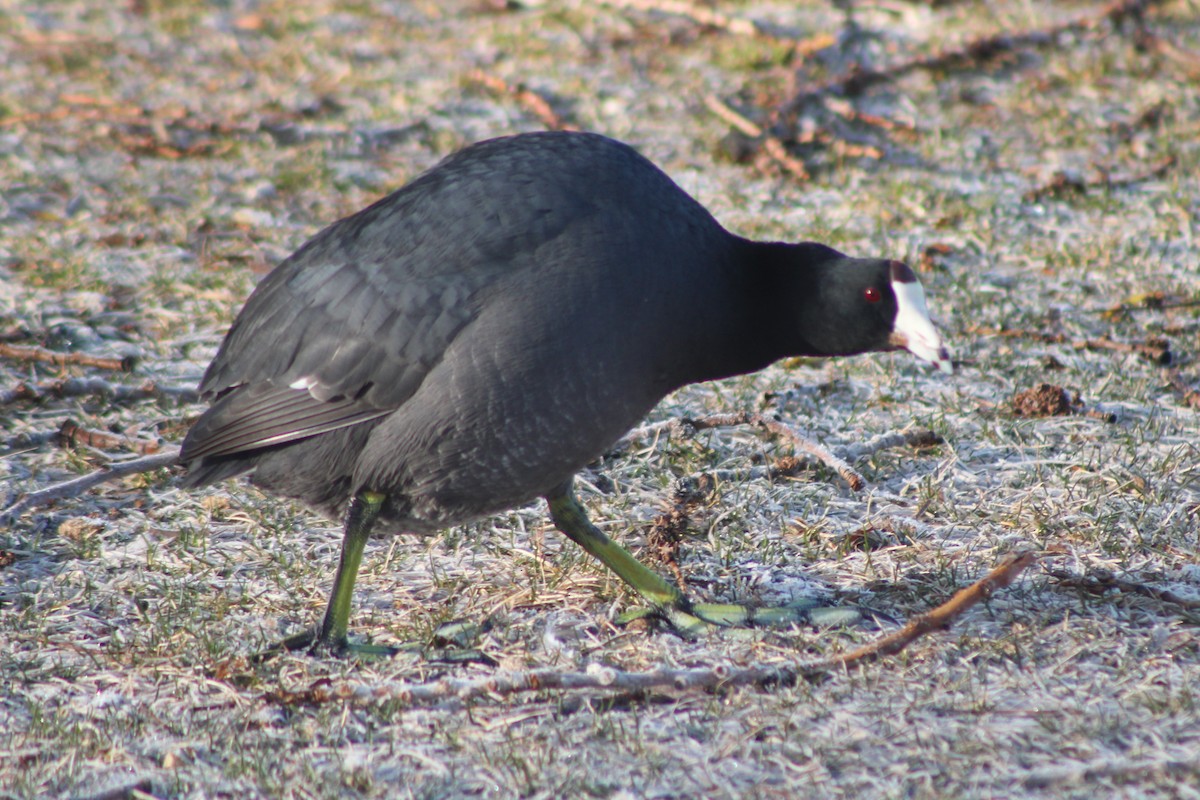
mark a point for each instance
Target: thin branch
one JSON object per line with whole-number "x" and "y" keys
{"x": 605, "y": 678}
{"x": 688, "y": 426}
{"x": 98, "y": 387}
{"x": 914, "y": 437}
{"x": 135, "y": 790}
{"x": 839, "y": 462}
{"x": 530, "y": 100}
{"x": 1101, "y": 581}
{"x": 945, "y": 614}
{"x": 1147, "y": 301}
{"x": 735, "y": 120}
{"x": 698, "y": 14}
{"x": 968, "y": 55}
{"x": 72, "y": 433}
{"x": 783, "y": 431}
{"x": 1065, "y": 183}
{"x": 1186, "y": 394}
{"x": 1187, "y": 60}
{"x": 1132, "y": 772}
{"x": 1155, "y": 349}
{"x": 771, "y": 145}
{"x": 77, "y": 486}
{"x": 29, "y": 440}
{"x": 41, "y": 354}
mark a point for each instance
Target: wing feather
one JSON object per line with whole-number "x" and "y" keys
{"x": 349, "y": 326}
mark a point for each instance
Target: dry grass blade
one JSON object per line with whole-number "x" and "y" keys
{"x": 1128, "y": 770}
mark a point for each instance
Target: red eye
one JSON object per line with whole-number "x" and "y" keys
{"x": 872, "y": 294}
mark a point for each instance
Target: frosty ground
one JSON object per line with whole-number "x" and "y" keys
{"x": 1036, "y": 163}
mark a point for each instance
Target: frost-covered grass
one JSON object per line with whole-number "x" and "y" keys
{"x": 157, "y": 158}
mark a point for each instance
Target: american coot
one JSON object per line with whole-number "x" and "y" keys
{"x": 468, "y": 343}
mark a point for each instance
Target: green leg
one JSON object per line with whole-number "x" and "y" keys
{"x": 666, "y": 600}
{"x": 360, "y": 518}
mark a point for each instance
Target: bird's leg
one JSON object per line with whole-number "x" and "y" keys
{"x": 570, "y": 518}
{"x": 360, "y": 518}
{"x": 361, "y": 515}
{"x": 666, "y": 600}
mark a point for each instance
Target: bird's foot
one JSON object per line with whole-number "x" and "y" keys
{"x": 451, "y": 643}
{"x": 311, "y": 642}
{"x": 690, "y": 620}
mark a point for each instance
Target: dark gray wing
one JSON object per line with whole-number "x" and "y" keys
{"x": 322, "y": 347}
{"x": 347, "y": 328}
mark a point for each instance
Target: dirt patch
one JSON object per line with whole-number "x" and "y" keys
{"x": 1045, "y": 400}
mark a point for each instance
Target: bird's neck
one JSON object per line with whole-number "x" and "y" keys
{"x": 766, "y": 288}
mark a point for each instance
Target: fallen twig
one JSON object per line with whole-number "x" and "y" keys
{"x": 914, "y": 437}
{"x": 945, "y": 614}
{"x": 83, "y": 387}
{"x": 698, "y": 14}
{"x": 139, "y": 789}
{"x": 1144, "y": 301}
{"x": 1064, "y": 183}
{"x": 606, "y": 678}
{"x": 966, "y": 55}
{"x": 777, "y": 428}
{"x": 784, "y": 118}
{"x": 1101, "y": 581}
{"x": 848, "y": 112}
{"x": 688, "y": 426}
{"x": 72, "y": 433}
{"x": 791, "y": 466}
{"x": 705, "y": 15}
{"x": 771, "y": 145}
{"x": 30, "y": 353}
{"x": 1186, "y": 394}
{"x": 1187, "y": 60}
{"x": 1155, "y": 349}
{"x": 77, "y": 486}
{"x": 533, "y": 102}
{"x": 1128, "y": 771}
{"x": 30, "y": 440}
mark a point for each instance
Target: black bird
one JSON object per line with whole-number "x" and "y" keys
{"x": 468, "y": 343}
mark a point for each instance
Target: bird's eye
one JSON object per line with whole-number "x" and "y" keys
{"x": 872, "y": 294}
